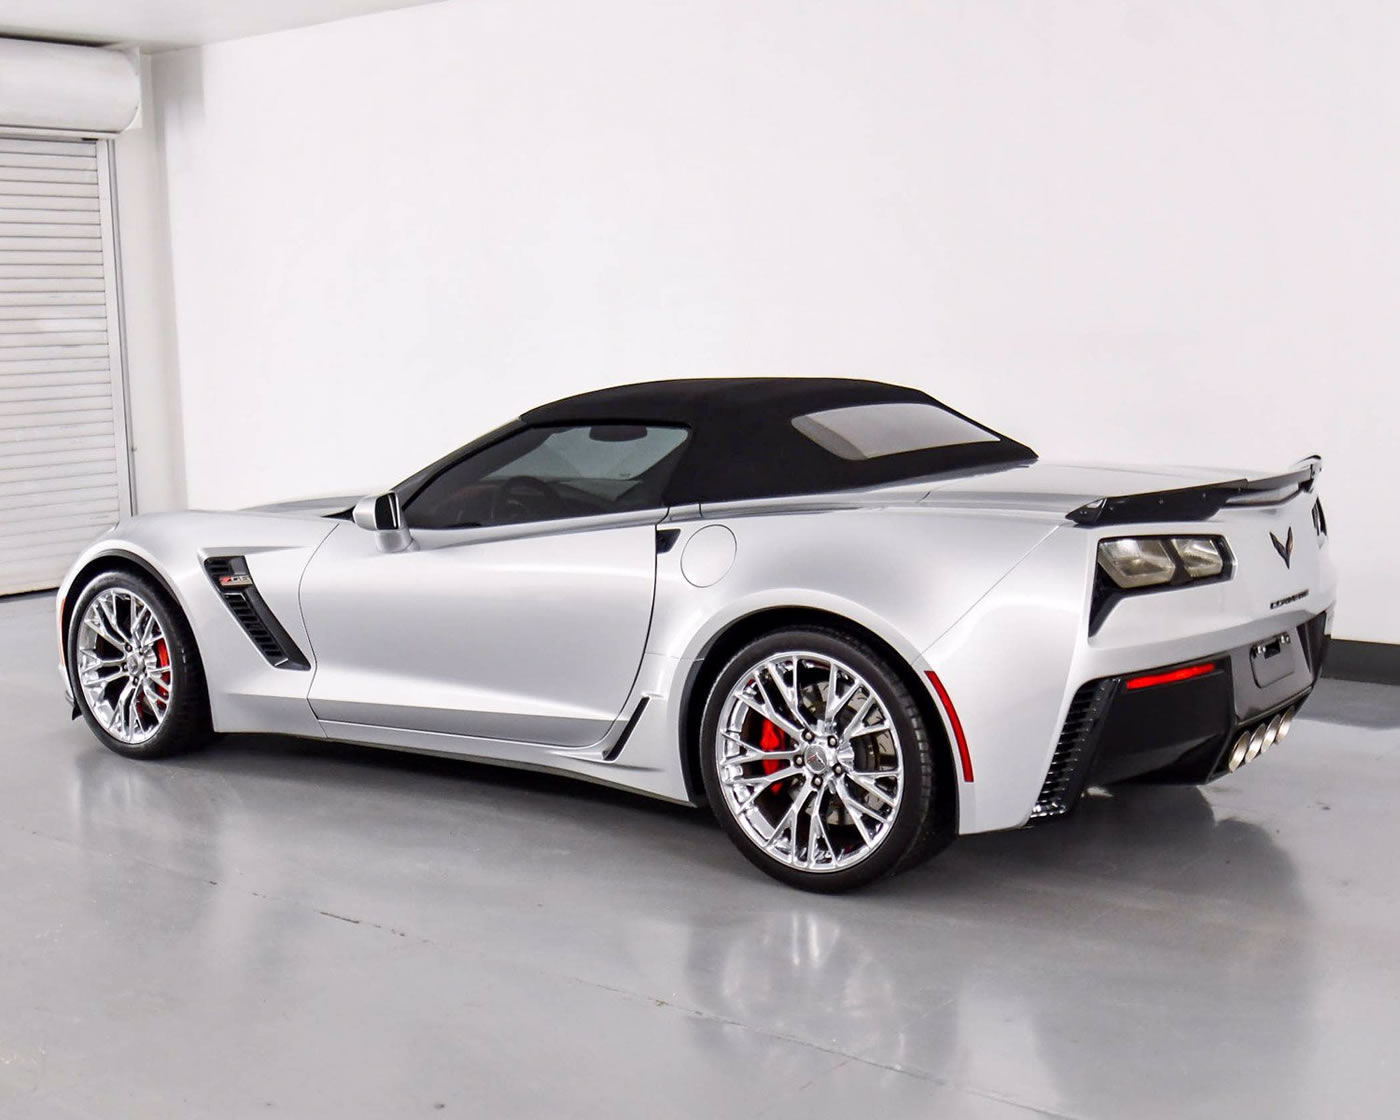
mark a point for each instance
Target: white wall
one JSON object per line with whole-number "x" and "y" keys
{"x": 1113, "y": 228}
{"x": 153, "y": 387}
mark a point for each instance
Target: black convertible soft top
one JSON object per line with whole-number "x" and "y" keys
{"x": 743, "y": 442}
{"x": 744, "y": 445}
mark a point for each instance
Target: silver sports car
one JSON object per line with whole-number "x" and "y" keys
{"x": 853, "y": 621}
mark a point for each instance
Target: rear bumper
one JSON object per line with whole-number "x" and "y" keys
{"x": 1135, "y": 726}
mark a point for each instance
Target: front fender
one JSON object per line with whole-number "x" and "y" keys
{"x": 246, "y": 693}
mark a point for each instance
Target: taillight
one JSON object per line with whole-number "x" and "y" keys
{"x": 1139, "y": 563}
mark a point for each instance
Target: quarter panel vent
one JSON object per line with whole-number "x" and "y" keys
{"x": 1069, "y": 767}
{"x": 232, "y": 581}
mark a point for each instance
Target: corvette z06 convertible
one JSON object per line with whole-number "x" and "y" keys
{"x": 853, "y": 621}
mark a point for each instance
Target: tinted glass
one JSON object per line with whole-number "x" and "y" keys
{"x": 869, "y": 431}
{"x": 542, "y": 474}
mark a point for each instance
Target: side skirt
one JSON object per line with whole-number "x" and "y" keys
{"x": 591, "y": 764}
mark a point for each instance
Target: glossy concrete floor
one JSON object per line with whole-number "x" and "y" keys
{"x": 301, "y": 929}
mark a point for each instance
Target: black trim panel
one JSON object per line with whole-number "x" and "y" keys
{"x": 231, "y": 579}
{"x": 1372, "y": 662}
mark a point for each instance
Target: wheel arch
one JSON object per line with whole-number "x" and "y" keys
{"x": 117, "y": 560}
{"x": 738, "y": 633}
{"x": 191, "y": 724}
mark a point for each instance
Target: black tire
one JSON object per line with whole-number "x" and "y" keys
{"x": 913, "y": 832}
{"x": 186, "y": 724}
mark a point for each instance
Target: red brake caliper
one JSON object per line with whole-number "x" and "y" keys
{"x": 163, "y": 660}
{"x": 771, "y": 739}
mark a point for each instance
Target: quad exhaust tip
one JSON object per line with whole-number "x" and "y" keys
{"x": 1237, "y": 752}
{"x": 1256, "y": 741}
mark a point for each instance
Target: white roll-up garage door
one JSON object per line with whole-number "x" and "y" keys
{"x": 63, "y": 462}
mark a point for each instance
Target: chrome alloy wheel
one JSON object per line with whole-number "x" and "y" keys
{"x": 809, "y": 761}
{"x": 123, "y": 665}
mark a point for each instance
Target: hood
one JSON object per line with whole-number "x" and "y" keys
{"x": 1060, "y": 487}
{"x": 310, "y": 507}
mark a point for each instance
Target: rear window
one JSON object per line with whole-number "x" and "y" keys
{"x": 871, "y": 431}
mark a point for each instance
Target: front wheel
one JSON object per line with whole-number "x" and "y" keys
{"x": 817, "y": 761}
{"x": 135, "y": 669}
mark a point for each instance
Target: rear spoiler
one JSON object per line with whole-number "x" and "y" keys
{"x": 1197, "y": 503}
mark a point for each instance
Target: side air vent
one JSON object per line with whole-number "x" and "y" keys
{"x": 1064, "y": 781}
{"x": 231, "y": 579}
{"x": 616, "y": 749}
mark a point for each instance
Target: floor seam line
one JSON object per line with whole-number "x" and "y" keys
{"x": 918, "y": 1075}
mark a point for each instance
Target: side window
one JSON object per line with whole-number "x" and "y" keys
{"x": 542, "y": 474}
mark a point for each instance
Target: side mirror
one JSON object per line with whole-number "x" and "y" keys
{"x": 378, "y": 513}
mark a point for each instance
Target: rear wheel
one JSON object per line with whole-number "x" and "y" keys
{"x": 817, "y": 762}
{"x": 135, "y": 669}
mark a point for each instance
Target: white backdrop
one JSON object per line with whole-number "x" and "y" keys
{"x": 1116, "y": 229}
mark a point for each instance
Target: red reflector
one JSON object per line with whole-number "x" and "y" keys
{"x": 1154, "y": 679}
{"x": 947, "y": 702}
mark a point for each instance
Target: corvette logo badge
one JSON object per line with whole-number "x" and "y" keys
{"x": 1284, "y": 548}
